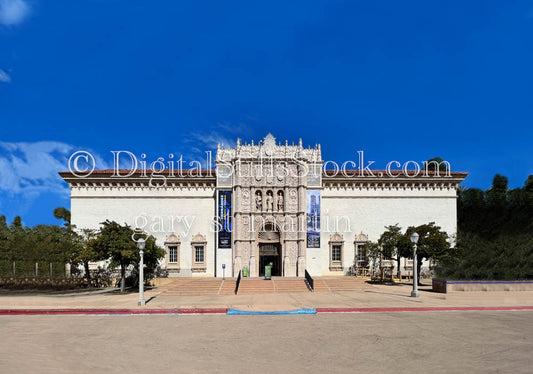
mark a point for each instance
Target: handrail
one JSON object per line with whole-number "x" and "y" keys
{"x": 310, "y": 281}
{"x": 238, "y": 282}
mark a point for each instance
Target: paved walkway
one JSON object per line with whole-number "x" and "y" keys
{"x": 435, "y": 342}
{"x": 371, "y": 296}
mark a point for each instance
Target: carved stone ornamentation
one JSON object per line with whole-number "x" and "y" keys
{"x": 258, "y": 201}
{"x": 280, "y": 172}
{"x": 292, "y": 202}
{"x": 292, "y": 250}
{"x": 269, "y": 201}
{"x": 268, "y": 187}
{"x": 245, "y": 204}
{"x": 280, "y": 202}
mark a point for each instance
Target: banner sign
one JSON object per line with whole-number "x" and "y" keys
{"x": 224, "y": 219}
{"x": 313, "y": 218}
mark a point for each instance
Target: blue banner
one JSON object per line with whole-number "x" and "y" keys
{"x": 224, "y": 219}
{"x": 313, "y": 219}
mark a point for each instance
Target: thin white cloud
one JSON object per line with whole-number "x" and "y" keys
{"x": 235, "y": 128}
{"x": 13, "y": 12}
{"x": 4, "y": 77}
{"x": 28, "y": 170}
{"x": 198, "y": 144}
{"x": 225, "y": 134}
{"x": 211, "y": 140}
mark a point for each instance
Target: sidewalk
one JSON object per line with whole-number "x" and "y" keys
{"x": 375, "y": 296}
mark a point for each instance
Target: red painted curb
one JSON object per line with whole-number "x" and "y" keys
{"x": 20, "y": 312}
{"x": 419, "y": 309}
{"x": 202, "y": 311}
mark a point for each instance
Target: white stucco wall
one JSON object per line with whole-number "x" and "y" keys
{"x": 185, "y": 212}
{"x": 369, "y": 210}
{"x": 189, "y": 210}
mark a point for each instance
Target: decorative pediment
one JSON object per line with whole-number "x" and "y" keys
{"x": 270, "y": 148}
{"x": 172, "y": 239}
{"x": 269, "y": 236}
{"x": 361, "y": 237}
{"x": 199, "y": 238}
{"x": 269, "y": 142}
{"x": 336, "y": 238}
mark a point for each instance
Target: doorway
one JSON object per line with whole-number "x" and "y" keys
{"x": 270, "y": 253}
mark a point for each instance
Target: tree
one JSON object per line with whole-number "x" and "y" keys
{"x": 49, "y": 243}
{"x": 83, "y": 249}
{"x": 19, "y": 247}
{"x": 528, "y": 191}
{"x": 390, "y": 242}
{"x": 4, "y": 236}
{"x": 508, "y": 257}
{"x": 62, "y": 213}
{"x": 372, "y": 251}
{"x": 115, "y": 241}
{"x": 497, "y": 194}
{"x": 5, "y": 252}
{"x": 17, "y": 221}
{"x": 432, "y": 244}
{"x": 437, "y": 164}
{"x": 497, "y": 205}
{"x": 152, "y": 254}
{"x": 86, "y": 250}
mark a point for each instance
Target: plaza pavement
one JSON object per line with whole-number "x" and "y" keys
{"x": 432, "y": 342}
{"x": 462, "y": 341}
{"x": 372, "y": 296}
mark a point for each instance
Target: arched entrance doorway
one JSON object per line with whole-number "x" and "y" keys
{"x": 270, "y": 250}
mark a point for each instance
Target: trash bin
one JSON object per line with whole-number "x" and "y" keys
{"x": 268, "y": 271}
{"x": 244, "y": 271}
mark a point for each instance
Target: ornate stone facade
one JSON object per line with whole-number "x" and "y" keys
{"x": 269, "y": 183}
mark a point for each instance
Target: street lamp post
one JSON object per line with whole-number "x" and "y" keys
{"x": 414, "y": 292}
{"x": 140, "y": 244}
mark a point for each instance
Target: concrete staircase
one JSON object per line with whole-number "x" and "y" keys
{"x": 333, "y": 284}
{"x": 284, "y": 285}
{"x": 192, "y": 286}
{"x": 256, "y": 286}
{"x": 253, "y": 286}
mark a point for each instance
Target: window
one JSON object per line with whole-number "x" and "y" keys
{"x": 360, "y": 253}
{"x": 336, "y": 253}
{"x": 198, "y": 253}
{"x": 360, "y": 258}
{"x": 173, "y": 254}
{"x": 198, "y": 246}
{"x": 172, "y": 257}
{"x": 336, "y": 245}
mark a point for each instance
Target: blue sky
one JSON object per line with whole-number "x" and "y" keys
{"x": 398, "y": 80}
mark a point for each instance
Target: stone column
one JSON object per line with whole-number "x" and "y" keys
{"x": 253, "y": 266}
{"x": 302, "y": 236}
{"x": 237, "y": 266}
{"x": 286, "y": 265}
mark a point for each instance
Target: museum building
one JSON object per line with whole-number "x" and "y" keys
{"x": 265, "y": 203}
